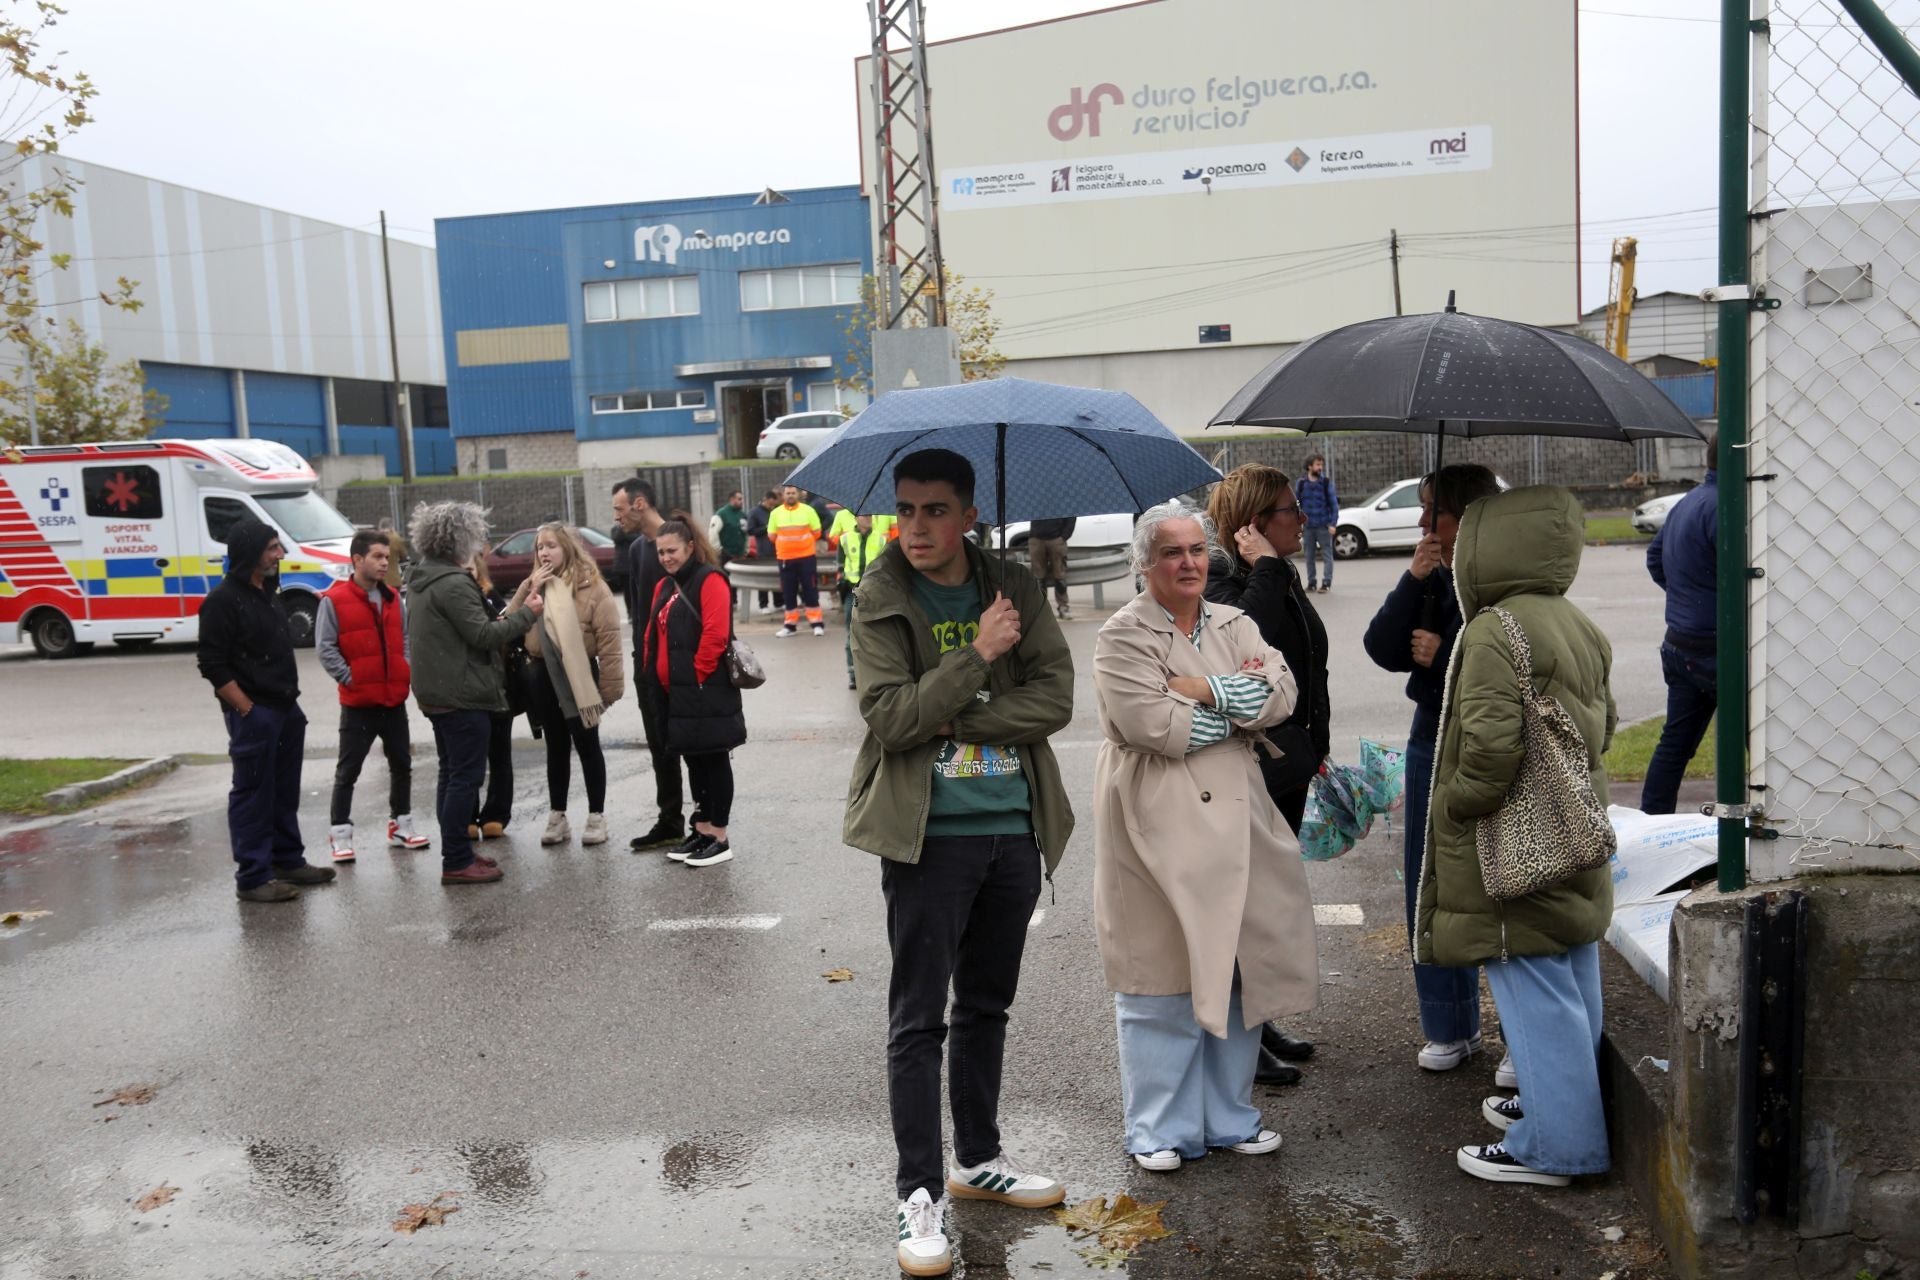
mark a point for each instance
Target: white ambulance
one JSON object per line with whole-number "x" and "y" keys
{"x": 123, "y": 541}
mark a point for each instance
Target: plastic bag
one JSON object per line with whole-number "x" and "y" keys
{"x": 1344, "y": 799}
{"x": 1386, "y": 774}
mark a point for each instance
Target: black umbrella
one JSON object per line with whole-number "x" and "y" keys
{"x": 1452, "y": 374}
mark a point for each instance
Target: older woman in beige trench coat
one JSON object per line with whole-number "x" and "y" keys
{"x": 1200, "y": 897}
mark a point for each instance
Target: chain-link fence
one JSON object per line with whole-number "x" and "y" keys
{"x": 1834, "y": 454}
{"x": 512, "y": 503}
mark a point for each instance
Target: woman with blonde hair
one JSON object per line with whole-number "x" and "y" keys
{"x": 578, "y": 673}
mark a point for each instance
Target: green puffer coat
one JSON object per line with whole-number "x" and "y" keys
{"x": 458, "y": 651}
{"x": 1519, "y": 550}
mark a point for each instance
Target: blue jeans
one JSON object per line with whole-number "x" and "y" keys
{"x": 460, "y": 738}
{"x": 267, "y": 746}
{"x": 1184, "y": 1090}
{"x": 1449, "y": 996}
{"x": 1319, "y": 545}
{"x": 1550, "y": 1014}
{"x": 1693, "y": 693}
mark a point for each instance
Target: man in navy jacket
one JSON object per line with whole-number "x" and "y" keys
{"x": 1682, "y": 559}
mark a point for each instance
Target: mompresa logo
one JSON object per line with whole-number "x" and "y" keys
{"x": 1082, "y": 110}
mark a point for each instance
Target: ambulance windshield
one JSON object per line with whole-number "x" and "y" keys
{"x": 304, "y": 516}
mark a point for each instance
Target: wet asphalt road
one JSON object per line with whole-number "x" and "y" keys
{"x": 610, "y": 1092}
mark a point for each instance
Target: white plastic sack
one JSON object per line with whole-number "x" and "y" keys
{"x": 1656, "y": 851}
{"x": 1639, "y": 934}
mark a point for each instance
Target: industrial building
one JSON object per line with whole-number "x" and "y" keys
{"x": 253, "y": 322}
{"x": 664, "y": 332}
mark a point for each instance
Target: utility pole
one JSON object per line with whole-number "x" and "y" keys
{"x": 33, "y": 400}
{"x": 1393, "y": 253}
{"x": 404, "y": 410}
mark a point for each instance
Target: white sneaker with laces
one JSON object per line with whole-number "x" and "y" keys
{"x": 1438, "y": 1055}
{"x": 923, "y": 1248}
{"x": 784, "y": 632}
{"x": 1502, "y": 1112}
{"x": 340, "y": 842}
{"x": 1004, "y": 1179}
{"x": 1504, "y": 1076}
{"x": 819, "y": 630}
{"x": 596, "y": 829}
{"x": 558, "y": 831}
{"x": 401, "y": 835}
{"x": 1260, "y": 1146}
{"x": 1158, "y": 1161}
{"x": 1495, "y": 1163}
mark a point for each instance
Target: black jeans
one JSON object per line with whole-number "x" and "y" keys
{"x": 710, "y": 778}
{"x": 958, "y": 915}
{"x": 1693, "y": 694}
{"x": 666, "y": 765}
{"x": 267, "y": 746}
{"x": 498, "y": 806}
{"x": 566, "y": 736}
{"x": 359, "y": 728}
{"x": 460, "y": 738}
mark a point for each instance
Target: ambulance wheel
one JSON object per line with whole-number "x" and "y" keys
{"x": 301, "y": 613}
{"x": 53, "y": 636}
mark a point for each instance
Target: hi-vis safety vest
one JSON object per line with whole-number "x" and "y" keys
{"x": 794, "y": 530}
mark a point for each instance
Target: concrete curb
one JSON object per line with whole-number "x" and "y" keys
{"x": 81, "y": 792}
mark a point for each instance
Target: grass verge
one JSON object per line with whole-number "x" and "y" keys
{"x": 1633, "y": 746}
{"x": 1614, "y": 529}
{"x": 24, "y": 783}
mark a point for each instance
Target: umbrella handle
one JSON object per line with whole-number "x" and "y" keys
{"x": 1000, "y": 493}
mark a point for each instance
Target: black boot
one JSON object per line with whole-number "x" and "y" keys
{"x": 1273, "y": 1071}
{"x": 1282, "y": 1045}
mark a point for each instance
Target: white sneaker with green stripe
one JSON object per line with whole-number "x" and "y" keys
{"x": 924, "y": 1249}
{"x": 1003, "y": 1179}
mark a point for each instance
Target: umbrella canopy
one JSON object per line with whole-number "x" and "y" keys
{"x": 1039, "y": 451}
{"x": 1453, "y": 374}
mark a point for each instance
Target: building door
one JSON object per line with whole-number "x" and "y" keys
{"x": 746, "y": 409}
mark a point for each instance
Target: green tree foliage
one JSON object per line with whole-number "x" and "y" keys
{"x": 80, "y": 395}
{"x": 969, "y": 314}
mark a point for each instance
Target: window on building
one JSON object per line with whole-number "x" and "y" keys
{"x": 496, "y": 459}
{"x": 827, "y": 397}
{"x": 122, "y": 493}
{"x": 642, "y": 401}
{"x": 833, "y": 285}
{"x": 643, "y": 299}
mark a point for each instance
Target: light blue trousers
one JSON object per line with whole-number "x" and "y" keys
{"x": 1550, "y": 1015}
{"x": 1184, "y": 1090}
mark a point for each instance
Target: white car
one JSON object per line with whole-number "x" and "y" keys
{"x": 797, "y": 434}
{"x": 1088, "y": 531}
{"x": 1388, "y": 520}
{"x": 1649, "y": 517}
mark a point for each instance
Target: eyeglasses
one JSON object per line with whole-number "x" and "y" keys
{"x": 1292, "y": 509}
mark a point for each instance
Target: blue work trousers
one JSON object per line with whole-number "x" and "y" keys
{"x": 267, "y": 746}
{"x": 460, "y": 738}
{"x": 1693, "y": 693}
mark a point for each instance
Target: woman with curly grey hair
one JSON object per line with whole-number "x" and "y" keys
{"x": 459, "y": 668}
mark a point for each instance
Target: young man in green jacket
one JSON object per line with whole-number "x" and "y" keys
{"x": 963, "y": 675}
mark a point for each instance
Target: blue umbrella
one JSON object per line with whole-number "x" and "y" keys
{"x": 1041, "y": 451}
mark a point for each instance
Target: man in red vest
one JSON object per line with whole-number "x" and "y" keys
{"x": 361, "y": 636}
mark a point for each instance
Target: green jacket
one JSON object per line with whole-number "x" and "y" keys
{"x": 458, "y": 653}
{"x": 733, "y": 530}
{"x": 1519, "y": 550}
{"x": 908, "y": 689}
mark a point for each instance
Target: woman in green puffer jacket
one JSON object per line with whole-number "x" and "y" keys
{"x": 1520, "y": 551}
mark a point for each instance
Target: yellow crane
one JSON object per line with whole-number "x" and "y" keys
{"x": 1620, "y": 294}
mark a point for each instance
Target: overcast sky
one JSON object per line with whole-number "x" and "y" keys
{"x": 429, "y": 108}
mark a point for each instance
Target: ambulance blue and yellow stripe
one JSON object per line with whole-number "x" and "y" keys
{"x": 114, "y": 576}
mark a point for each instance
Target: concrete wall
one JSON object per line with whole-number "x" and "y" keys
{"x": 534, "y": 451}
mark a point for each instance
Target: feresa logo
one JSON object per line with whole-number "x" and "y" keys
{"x": 1082, "y": 110}
{"x": 1297, "y": 159}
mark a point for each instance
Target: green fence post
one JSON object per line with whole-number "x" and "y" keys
{"x": 1731, "y": 751}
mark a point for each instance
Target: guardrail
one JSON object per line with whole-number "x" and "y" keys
{"x": 1086, "y": 567}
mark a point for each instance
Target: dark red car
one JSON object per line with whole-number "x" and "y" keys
{"x": 511, "y": 560}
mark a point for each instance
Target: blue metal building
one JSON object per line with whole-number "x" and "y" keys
{"x": 669, "y": 331}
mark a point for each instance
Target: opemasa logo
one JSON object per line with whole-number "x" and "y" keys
{"x": 1248, "y": 170}
{"x": 664, "y": 243}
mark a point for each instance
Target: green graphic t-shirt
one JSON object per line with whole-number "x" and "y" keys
{"x": 978, "y": 789}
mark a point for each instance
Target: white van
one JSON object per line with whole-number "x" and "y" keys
{"x": 123, "y": 541}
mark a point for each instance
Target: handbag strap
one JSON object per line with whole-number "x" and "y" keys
{"x": 1517, "y": 639}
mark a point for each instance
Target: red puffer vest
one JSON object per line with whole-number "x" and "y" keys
{"x": 375, "y": 647}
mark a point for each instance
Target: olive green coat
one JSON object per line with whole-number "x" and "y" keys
{"x": 1519, "y": 550}
{"x": 457, "y": 652}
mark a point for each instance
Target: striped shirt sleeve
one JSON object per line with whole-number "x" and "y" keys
{"x": 1240, "y": 697}
{"x": 1209, "y": 727}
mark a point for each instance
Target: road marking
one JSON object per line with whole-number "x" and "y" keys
{"x": 712, "y": 922}
{"x": 1338, "y": 913}
{"x": 1038, "y": 916}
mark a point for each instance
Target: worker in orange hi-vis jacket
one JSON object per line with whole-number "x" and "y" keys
{"x": 795, "y": 528}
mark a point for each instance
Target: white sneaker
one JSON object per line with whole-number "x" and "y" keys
{"x": 784, "y": 632}
{"x": 1260, "y": 1146}
{"x": 1495, "y": 1163}
{"x": 596, "y": 829}
{"x": 923, "y": 1248}
{"x": 1502, "y": 1112}
{"x": 340, "y": 841}
{"x": 819, "y": 630}
{"x": 1158, "y": 1161}
{"x": 1439, "y": 1055}
{"x": 1003, "y": 1179}
{"x": 1504, "y": 1076}
{"x": 401, "y": 835}
{"x": 558, "y": 831}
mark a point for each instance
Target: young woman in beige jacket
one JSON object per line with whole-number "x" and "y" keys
{"x": 578, "y": 671}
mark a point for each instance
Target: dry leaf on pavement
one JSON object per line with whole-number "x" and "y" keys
{"x": 838, "y": 975}
{"x": 1120, "y": 1227}
{"x": 133, "y": 1095}
{"x": 21, "y": 917}
{"x": 162, "y": 1194}
{"x": 432, "y": 1214}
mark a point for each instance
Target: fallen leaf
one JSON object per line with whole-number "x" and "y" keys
{"x": 432, "y": 1214}
{"x": 21, "y": 917}
{"x": 1122, "y": 1226}
{"x": 133, "y": 1095}
{"x": 162, "y": 1194}
{"x": 838, "y": 975}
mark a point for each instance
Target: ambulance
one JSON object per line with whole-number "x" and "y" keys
{"x": 123, "y": 541}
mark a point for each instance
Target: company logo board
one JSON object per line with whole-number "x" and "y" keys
{"x": 1216, "y": 104}
{"x": 665, "y": 243}
{"x": 1410, "y": 153}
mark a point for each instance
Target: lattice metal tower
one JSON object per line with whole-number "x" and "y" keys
{"x": 906, "y": 198}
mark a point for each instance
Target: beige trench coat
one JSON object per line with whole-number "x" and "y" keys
{"x": 1194, "y": 868}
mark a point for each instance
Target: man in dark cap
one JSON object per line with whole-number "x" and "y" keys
{"x": 246, "y": 654}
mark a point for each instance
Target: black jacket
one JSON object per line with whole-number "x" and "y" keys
{"x": 757, "y": 531}
{"x": 1425, "y": 606}
{"x": 701, "y": 718}
{"x": 1270, "y": 594}
{"x": 243, "y": 635}
{"x": 643, "y": 574}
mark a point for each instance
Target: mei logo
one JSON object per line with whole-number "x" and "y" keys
{"x": 657, "y": 244}
{"x": 963, "y": 186}
{"x": 1082, "y": 110}
{"x": 1454, "y": 146}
